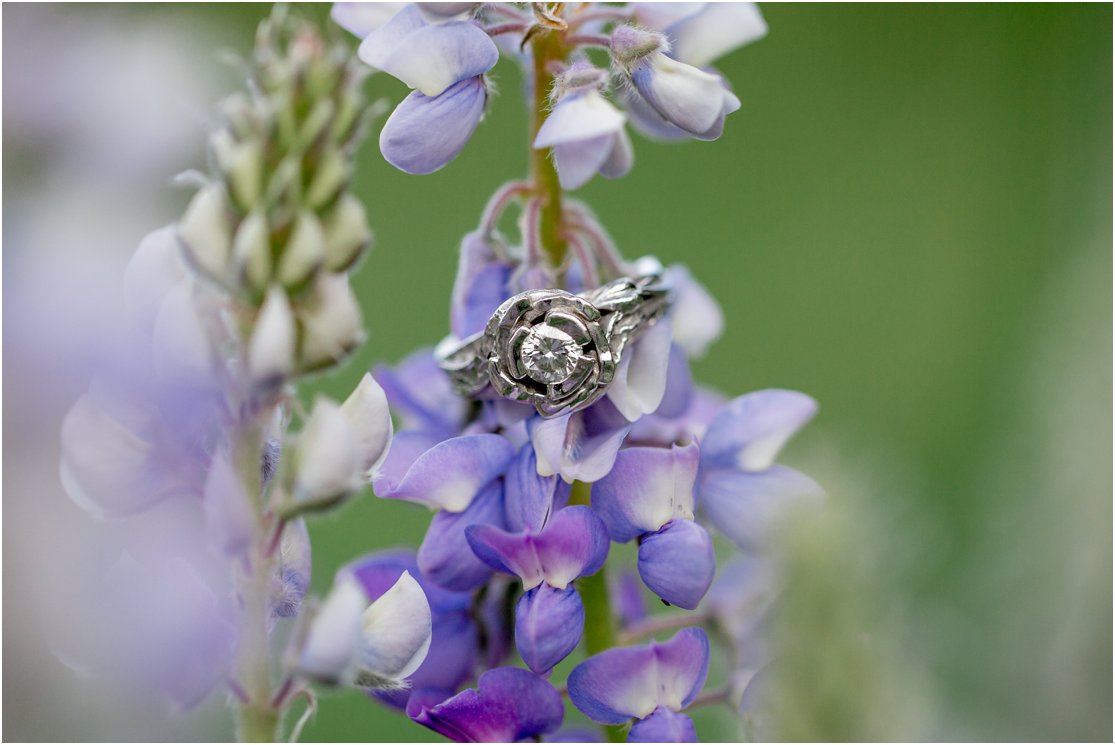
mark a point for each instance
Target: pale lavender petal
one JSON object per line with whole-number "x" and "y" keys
{"x": 361, "y": 19}
{"x": 751, "y": 431}
{"x": 421, "y": 395}
{"x": 646, "y": 489}
{"x": 664, "y": 725}
{"x": 625, "y": 682}
{"x": 695, "y": 315}
{"x": 428, "y": 57}
{"x": 640, "y": 380}
{"x": 448, "y": 475}
{"x": 444, "y": 555}
{"x": 581, "y": 446}
{"x": 424, "y": 133}
{"x": 548, "y": 626}
{"x": 577, "y": 162}
{"x": 574, "y": 543}
{"x": 621, "y": 158}
{"x": 718, "y": 29}
{"x": 510, "y": 704}
{"x": 747, "y": 507}
{"x": 578, "y": 117}
{"x": 529, "y": 499}
{"x": 677, "y": 563}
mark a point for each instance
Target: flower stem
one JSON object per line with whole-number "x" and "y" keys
{"x": 256, "y": 719}
{"x": 600, "y": 624}
{"x": 548, "y": 48}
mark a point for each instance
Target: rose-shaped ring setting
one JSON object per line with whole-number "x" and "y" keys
{"x": 557, "y": 350}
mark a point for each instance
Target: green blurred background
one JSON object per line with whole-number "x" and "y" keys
{"x": 909, "y": 219}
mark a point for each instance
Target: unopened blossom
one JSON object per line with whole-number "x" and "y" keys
{"x": 371, "y": 642}
{"x": 650, "y": 684}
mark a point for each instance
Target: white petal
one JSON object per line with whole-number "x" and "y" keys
{"x": 640, "y": 380}
{"x": 370, "y": 418}
{"x": 397, "y": 629}
{"x": 700, "y": 38}
{"x": 154, "y": 269}
{"x": 332, "y": 644}
{"x": 271, "y": 349}
{"x": 361, "y": 19}
{"x": 579, "y": 116}
{"x": 327, "y": 458}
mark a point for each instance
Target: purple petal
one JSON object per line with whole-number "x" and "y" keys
{"x": 428, "y": 57}
{"x": 448, "y": 475}
{"x": 548, "y": 626}
{"x": 677, "y": 563}
{"x": 573, "y": 544}
{"x": 625, "y": 682}
{"x": 581, "y": 446}
{"x": 664, "y": 725}
{"x": 530, "y": 499}
{"x": 424, "y": 133}
{"x": 421, "y": 394}
{"x": 747, "y": 507}
{"x": 444, "y": 555}
{"x": 646, "y": 489}
{"x": 481, "y": 285}
{"x": 751, "y": 431}
{"x": 509, "y": 704}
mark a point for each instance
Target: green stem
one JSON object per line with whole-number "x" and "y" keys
{"x": 600, "y": 623}
{"x": 548, "y": 48}
{"x": 256, "y": 719}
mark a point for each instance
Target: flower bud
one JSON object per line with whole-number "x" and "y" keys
{"x": 251, "y": 251}
{"x": 331, "y": 322}
{"x": 206, "y": 232}
{"x": 242, "y": 164}
{"x": 326, "y": 459}
{"x": 346, "y": 233}
{"x": 271, "y": 349}
{"x": 370, "y": 418}
{"x": 630, "y": 44}
{"x": 304, "y": 251}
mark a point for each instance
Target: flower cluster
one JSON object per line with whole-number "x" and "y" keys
{"x": 658, "y": 74}
{"x": 527, "y": 505}
{"x": 186, "y": 433}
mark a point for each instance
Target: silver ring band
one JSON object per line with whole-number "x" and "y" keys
{"x": 557, "y": 350}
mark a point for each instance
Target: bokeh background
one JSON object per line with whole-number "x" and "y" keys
{"x": 910, "y": 218}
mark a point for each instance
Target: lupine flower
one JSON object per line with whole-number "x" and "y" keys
{"x": 550, "y": 550}
{"x": 372, "y": 642}
{"x": 649, "y": 495}
{"x": 741, "y": 490}
{"x": 445, "y": 64}
{"x": 651, "y": 684}
{"x": 586, "y": 132}
{"x": 508, "y": 705}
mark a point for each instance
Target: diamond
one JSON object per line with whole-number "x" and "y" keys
{"x": 549, "y": 354}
